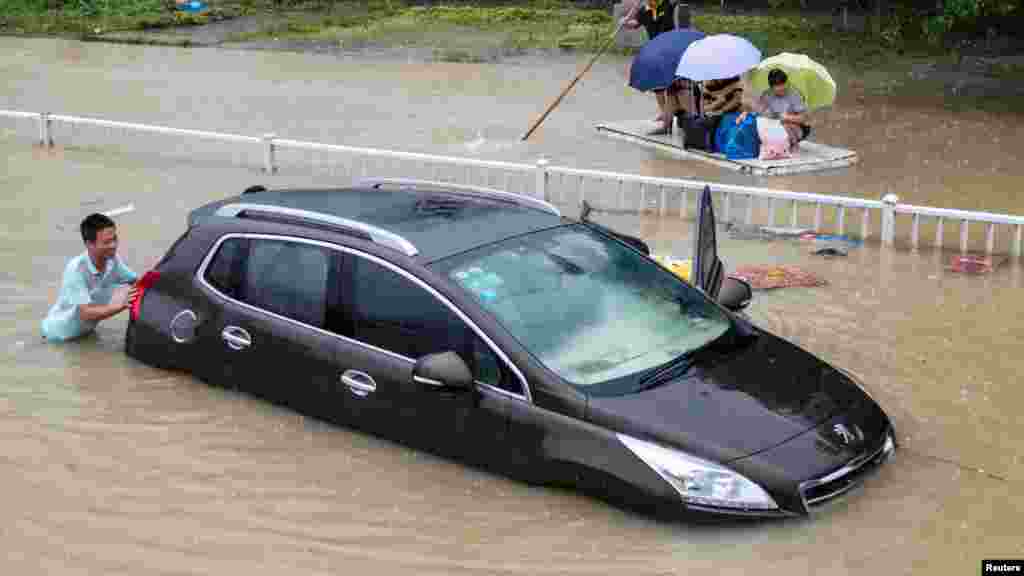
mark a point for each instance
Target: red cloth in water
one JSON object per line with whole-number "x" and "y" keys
{"x": 768, "y": 277}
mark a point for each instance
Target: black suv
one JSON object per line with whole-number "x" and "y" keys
{"x": 485, "y": 325}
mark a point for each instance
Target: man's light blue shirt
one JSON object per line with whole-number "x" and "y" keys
{"x": 83, "y": 284}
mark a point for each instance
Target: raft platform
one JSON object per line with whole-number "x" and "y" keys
{"x": 809, "y": 157}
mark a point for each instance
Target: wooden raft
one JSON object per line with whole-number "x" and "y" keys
{"x": 810, "y": 157}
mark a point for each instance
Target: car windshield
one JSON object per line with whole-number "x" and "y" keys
{"x": 591, "y": 309}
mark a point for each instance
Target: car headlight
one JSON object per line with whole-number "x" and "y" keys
{"x": 698, "y": 481}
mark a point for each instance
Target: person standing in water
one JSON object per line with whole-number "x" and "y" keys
{"x": 657, "y": 17}
{"x": 95, "y": 286}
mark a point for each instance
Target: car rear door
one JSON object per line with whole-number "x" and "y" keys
{"x": 267, "y": 334}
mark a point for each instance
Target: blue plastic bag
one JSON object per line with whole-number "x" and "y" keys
{"x": 191, "y": 6}
{"x": 738, "y": 142}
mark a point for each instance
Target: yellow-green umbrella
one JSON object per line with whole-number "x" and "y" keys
{"x": 810, "y": 78}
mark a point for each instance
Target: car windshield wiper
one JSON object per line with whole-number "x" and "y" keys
{"x": 568, "y": 266}
{"x": 676, "y": 367}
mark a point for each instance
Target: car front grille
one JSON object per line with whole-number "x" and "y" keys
{"x": 817, "y": 491}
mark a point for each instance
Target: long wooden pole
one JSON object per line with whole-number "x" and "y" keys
{"x": 583, "y": 72}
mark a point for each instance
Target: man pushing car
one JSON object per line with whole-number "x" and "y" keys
{"x": 95, "y": 285}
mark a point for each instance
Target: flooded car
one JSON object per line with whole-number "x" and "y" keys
{"x": 487, "y": 326}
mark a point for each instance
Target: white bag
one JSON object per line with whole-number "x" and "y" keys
{"x": 774, "y": 139}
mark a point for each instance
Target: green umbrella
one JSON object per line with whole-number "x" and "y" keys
{"x": 810, "y": 78}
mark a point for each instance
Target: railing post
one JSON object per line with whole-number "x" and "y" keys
{"x": 45, "y": 134}
{"x": 542, "y": 180}
{"x": 269, "y": 165}
{"x": 889, "y": 202}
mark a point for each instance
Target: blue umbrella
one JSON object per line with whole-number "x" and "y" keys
{"x": 717, "y": 57}
{"x": 654, "y": 66}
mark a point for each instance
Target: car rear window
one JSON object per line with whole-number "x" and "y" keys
{"x": 224, "y": 271}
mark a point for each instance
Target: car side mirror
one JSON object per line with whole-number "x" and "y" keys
{"x": 443, "y": 370}
{"x": 735, "y": 294}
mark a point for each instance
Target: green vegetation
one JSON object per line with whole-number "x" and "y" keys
{"x": 89, "y": 17}
{"x": 463, "y": 31}
{"x": 468, "y": 31}
{"x": 456, "y": 31}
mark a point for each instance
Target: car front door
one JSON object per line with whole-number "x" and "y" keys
{"x": 396, "y": 319}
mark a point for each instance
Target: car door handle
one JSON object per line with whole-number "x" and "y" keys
{"x": 236, "y": 338}
{"x": 360, "y": 383}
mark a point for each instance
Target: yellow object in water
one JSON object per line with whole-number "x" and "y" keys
{"x": 678, "y": 266}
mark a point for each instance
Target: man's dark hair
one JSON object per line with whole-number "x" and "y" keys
{"x": 92, "y": 224}
{"x": 776, "y": 77}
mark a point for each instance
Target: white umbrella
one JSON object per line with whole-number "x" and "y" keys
{"x": 716, "y": 57}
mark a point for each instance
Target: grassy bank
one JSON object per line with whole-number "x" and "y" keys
{"x": 456, "y": 29}
{"x": 91, "y": 17}
{"x": 459, "y": 28}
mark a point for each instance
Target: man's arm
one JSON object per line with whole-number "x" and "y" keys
{"x": 793, "y": 118}
{"x": 120, "y": 301}
{"x": 797, "y": 113}
{"x": 757, "y": 107}
{"x": 124, "y": 273}
{"x": 631, "y": 20}
{"x": 97, "y": 312}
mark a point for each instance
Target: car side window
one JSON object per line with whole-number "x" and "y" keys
{"x": 288, "y": 278}
{"x": 393, "y": 313}
{"x": 224, "y": 272}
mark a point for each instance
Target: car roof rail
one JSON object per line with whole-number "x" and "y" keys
{"x": 318, "y": 219}
{"x": 466, "y": 189}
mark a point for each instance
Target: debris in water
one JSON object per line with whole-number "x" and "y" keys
{"x": 975, "y": 263}
{"x": 814, "y": 237}
{"x": 756, "y": 232}
{"x": 769, "y": 277}
{"x": 830, "y": 252}
{"x": 678, "y": 266}
{"x": 786, "y": 232}
{"x": 121, "y": 210}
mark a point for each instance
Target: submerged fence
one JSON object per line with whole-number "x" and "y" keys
{"x": 606, "y": 190}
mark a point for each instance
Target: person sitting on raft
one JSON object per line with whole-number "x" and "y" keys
{"x": 783, "y": 103}
{"x": 719, "y": 97}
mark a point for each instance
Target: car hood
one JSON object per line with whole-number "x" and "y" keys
{"x": 734, "y": 401}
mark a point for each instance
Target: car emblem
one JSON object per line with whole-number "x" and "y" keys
{"x": 847, "y": 436}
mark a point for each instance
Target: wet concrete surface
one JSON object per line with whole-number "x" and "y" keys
{"x": 113, "y": 467}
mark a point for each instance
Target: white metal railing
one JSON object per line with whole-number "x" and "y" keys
{"x": 543, "y": 172}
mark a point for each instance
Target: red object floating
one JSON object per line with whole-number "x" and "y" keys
{"x": 975, "y": 263}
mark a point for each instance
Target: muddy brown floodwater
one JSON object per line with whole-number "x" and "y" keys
{"x": 109, "y": 466}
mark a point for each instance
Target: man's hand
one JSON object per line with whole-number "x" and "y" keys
{"x": 123, "y": 296}
{"x": 741, "y": 118}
